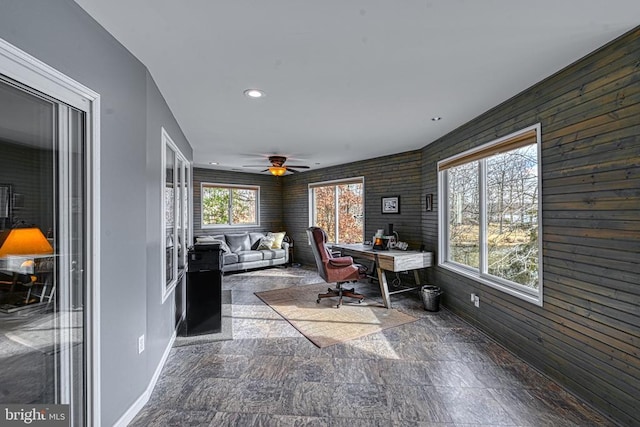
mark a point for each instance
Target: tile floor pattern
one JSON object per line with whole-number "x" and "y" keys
{"x": 438, "y": 371}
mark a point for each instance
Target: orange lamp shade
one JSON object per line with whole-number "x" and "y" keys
{"x": 277, "y": 170}
{"x": 24, "y": 241}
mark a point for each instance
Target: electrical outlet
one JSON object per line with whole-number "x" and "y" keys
{"x": 476, "y": 301}
{"x": 473, "y": 298}
{"x": 140, "y": 344}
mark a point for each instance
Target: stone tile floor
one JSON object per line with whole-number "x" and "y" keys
{"x": 437, "y": 371}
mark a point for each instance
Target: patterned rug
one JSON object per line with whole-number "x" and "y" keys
{"x": 324, "y": 324}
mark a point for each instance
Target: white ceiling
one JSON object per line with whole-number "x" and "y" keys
{"x": 347, "y": 80}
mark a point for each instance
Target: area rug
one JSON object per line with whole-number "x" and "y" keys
{"x": 324, "y": 324}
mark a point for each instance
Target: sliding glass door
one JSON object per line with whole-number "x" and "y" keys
{"x": 43, "y": 252}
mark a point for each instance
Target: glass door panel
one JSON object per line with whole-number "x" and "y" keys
{"x": 170, "y": 209}
{"x": 42, "y": 251}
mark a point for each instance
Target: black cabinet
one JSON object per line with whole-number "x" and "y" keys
{"x": 203, "y": 291}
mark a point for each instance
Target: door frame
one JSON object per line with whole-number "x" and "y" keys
{"x": 24, "y": 68}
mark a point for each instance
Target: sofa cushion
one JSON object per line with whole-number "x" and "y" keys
{"x": 246, "y": 256}
{"x": 273, "y": 253}
{"x": 238, "y": 242}
{"x": 255, "y": 238}
{"x": 230, "y": 258}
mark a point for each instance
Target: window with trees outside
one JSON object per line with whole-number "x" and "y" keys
{"x": 490, "y": 220}
{"x": 176, "y": 227}
{"x": 229, "y": 205}
{"x": 338, "y": 208}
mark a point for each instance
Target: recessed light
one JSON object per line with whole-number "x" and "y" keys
{"x": 254, "y": 93}
{"x": 213, "y": 163}
{"x": 437, "y": 118}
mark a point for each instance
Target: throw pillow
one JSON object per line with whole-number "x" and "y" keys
{"x": 278, "y": 238}
{"x": 223, "y": 246}
{"x": 266, "y": 242}
{"x": 214, "y": 239}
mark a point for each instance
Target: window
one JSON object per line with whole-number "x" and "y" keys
{"x": 175, "y": 221}
{"x": 490, "y": 221}
{"x": 338, "y": 207}
{"x": 229, "y": 205}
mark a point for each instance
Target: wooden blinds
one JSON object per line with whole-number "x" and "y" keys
{"x": 522, "y": 139}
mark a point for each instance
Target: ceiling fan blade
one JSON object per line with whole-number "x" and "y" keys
{"x": 299, "y": 167}
{"x": 291, "y": 170}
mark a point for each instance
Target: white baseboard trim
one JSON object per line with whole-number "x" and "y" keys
{"x": 137, "y": 406}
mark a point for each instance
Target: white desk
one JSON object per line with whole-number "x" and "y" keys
{"x": 390, "y": 260}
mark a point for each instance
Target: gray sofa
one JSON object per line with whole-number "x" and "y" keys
{"x": 243, "y": 251}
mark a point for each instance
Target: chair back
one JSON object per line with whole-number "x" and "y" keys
{"x": 318, "y": 239}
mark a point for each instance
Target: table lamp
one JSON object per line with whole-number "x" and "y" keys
{"x": 25, "y": 242}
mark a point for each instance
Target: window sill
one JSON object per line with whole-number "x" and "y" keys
{"x": 533, "y": 297}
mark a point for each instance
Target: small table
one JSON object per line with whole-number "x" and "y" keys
{"x": 390, "y": 260}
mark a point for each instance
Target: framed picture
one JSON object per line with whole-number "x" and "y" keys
{"x": 5, "y": 206}
{"x": 391, "y": 205}
{"x": 5, "y": 200}
{"x": 429, "y": 204}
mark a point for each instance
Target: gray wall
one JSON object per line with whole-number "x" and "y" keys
{"x": 396, "y": 175}
{"x": 587, "y": 334}
{"x": 61, "y": 34}
{"x": 160, "y": 320}
{"x": 271, "y": 209}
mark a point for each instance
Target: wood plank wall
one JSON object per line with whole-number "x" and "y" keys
{"x": 270, "y": 199}
{"x": 396, "y": 175}
{"x": 30, "y": 172}
{"x": 587, "y": 334}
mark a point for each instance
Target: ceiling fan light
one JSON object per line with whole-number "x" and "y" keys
{"x": 277, "y": 170}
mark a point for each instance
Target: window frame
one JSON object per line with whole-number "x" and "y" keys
{"x": 480, "y": 154}
{"x": 182, "y": 232}
{"x": 230, "y": 188}
{"x": 335, "y": 183}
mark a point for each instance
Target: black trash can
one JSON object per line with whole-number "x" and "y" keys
{"x": 431, "y": 297}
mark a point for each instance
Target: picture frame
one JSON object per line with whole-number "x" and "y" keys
{"x": 5, "y": 206}
{"x": 391, "y": 205}
{"x": 429, "y": 203}
{"x": 5, "y": 201}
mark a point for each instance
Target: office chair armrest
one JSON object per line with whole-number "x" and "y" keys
{"x": 343, "y": 261}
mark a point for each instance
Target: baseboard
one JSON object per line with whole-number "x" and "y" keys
{"x": 137, "y": 406}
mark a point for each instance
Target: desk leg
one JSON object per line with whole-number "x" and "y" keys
{"x": 384, "y": 288}
{"x": 417, "y": 277}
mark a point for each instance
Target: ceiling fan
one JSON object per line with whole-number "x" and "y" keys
{"x": 277, "y": 166}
